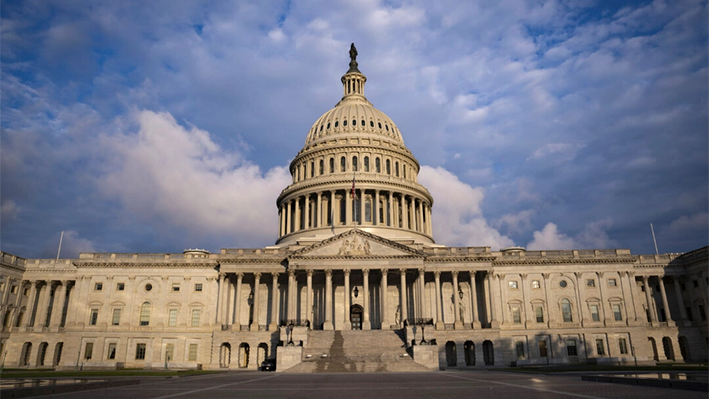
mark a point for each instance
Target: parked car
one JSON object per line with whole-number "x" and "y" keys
{"x": 268, "y": 365}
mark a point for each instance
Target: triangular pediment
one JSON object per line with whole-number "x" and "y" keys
{"x": 357, "y": 243}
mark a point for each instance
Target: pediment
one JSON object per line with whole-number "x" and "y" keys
{"x": 359, "y": 244}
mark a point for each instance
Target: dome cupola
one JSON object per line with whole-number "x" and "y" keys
{"x": 354, "y": 172}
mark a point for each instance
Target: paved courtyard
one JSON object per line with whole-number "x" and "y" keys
{"x": 449, "y": 384}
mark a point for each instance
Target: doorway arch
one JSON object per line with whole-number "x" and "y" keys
{"x": 42, "y": 353}
{"x": 451, "y": 354}
{"x": 488, "y": 353}
{"x": 261, "y": 353}
{"x": 25, "y": 354}
{"x": 654, "y": 348}
{"x": 667, "y": 347}
{"x": 469, "y": 349}
{"x": 225, "y": 355}
{"x": 244, "y": 355}
{"x": 356, "y": 313}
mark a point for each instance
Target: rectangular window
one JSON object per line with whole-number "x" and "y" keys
{"x": 140, "y": 352}
{"x": 571, "y": 347}
{"x": 172, "y": 320}
{"x": 98, "y": 286}
{"x": 617, "y": 315}
{"x": 169, "y": 352}
{"x": 566, "y": 311}
{"x": 594, "y": 313}
{"x": 539, "y": 313}
{"x": 192, "y": 357}
{"x": 516, "y": 315}
{"x": 702, "y": 313}
{"x": 13, "y": 290}
{"x": 695, "y": 283}
{"x": 116, "y": 317}
{"x": 519, "y": 348}
{"x": 195, "y": 317}
{"x": 543, "y": 348}
{"x": 89, "y": 350}
{"x": 120, "y": 286}
{"x": 612, "y": 282}
{"x": 600, "y": 349}
{"x": 94, "y": 317}
{"x": 623, "y": 346}
{"x": 690, "y": 317}
{"x": 111, "y": 351}
{"x": 198, "y": 287}
{"x": 26, "y": 292}
{"x": 176, "y": 287}
{"x": 535, "y": 284}
{"x": 513, "y": 285}
{"x": 590, "y": 283}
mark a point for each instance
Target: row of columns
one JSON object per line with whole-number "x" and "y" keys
{"x": 415, "y": 213}
{"x": 39, "y": 304}
{"x": 229, "y": 302}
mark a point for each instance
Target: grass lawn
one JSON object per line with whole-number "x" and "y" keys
{"x": 20, "y": 373}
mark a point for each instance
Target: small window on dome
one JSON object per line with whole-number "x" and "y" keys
{"x": 328, "y": 125}
{"x": 342, "y": 164}
{"x": 321, "y": 167}
{"x": 380, "y": 124}
{"x": 366, "y": 164}
{"x": 371, "y": 124}
{"x": 336, "y": 123}
{"x": 354, "y": 122}
{"x": 321, "y": 128}
{"x": 354, "y": 163}
{"x": 344, "y": 123}
{"x": 378, "y": 165}
{"x": 332, "y": 165}
{"x": 387, "y": 127}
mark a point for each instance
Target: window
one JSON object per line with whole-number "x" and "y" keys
{"x": 516, "y": 315}
{"x": 192, "y": 356}
{"x": 26, "y": 292}
{"x": 513, "y": 285}
{"x": 145, "y": 314}
{"x": 562, "y": 283}
{"x": 377, "y": 165}
{"x": 388, "y": 167}
{"x": 571, "y": 347}
{"x": 396, "y": 168}
{"x": 543, "y": 348}
{"x": 342, "y": 164}
{"x": 116, "y": 317}
{"x": 594, "y": 313}
{"x": 89, "y": 350}
{"x": 172, "y": 318}
{"x": 623, "y": 346}
{"x": 566, "y": 310}
{"x": 140, "y": 352}
{"x": 354, "y": 163}
{"x": 519, "y": 348}
{"x": 332, "y": 165}
{"x": 198, "y": 287}
{"x": 368, "y": 209}
{"x": 120, "y": 287}
{"x": 702, "y": 313}
{"x": 94, "y": 317}
{"x": 600, "y": 349}
{"x": 366, "y": 164}
{"x": 176, "y": 287}
{"x": 539, "y": 312}
{"x": 148, "y": 287}
{"x": 312, "y": 168}
{"x": 322, "y": 167}
{"x": 195, "y": 317}
{"x": 690, "y": 317}
{"x": 337, "y": 123}
{"x": 344, "y": 123}
{"x": 535, "y": 284}
{"x": 591, "y": 283}
{"x": 13, "y": 290}
{"x": 612, "y": 282}
{"x": 98, "y": 286}
{"x": 695, "y": 283}
{"x": 616, "y": 312}
{"x": 111, "y": 351}
{"x": 169, "y": 352}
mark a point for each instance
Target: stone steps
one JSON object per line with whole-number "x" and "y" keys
{"x": 356, "y": 351}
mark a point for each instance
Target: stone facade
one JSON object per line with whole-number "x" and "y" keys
{"x": 355, "y": 251}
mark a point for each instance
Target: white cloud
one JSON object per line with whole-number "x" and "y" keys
{"x": 457, "y": 216}
{"x": 549, "y": 238}
{"x": 562, "y": 151}
{"x": 8, "y": 211}
{"x": 517, "y": 222}
{"x": 593, "y": 236}
{"x": 181, "y": 179}
{"x": 686, "y": 223}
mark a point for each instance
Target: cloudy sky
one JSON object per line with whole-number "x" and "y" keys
{"x": 163, "y": 125}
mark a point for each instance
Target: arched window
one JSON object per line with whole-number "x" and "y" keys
{"x": 298, "y": 174}
{"x": 368, "y": 209}
{"x": 566, "y": 310}
{"x": 342, "y": 164}
{"x": 377, "y": 165}
{"x": 344, "y": 123}
{"x": 354, "y": 163}
{"x": 332, "y": 165}
{"x": 388, "y": 166}
{"x": 403, "y": 167}
{"x": 343, "y": 211}
{"x": 396, "y": 168}
{"x": 336, "y": 123}
{"x": 145, "y": 314}
{"x": 366, "y": 164}
{"x": 312, "y": 168}
{"x": 321, "y": 166}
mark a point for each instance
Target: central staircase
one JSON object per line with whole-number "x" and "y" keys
{"x": 356, "y": 351}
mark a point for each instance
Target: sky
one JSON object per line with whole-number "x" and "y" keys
{"x": 158, "y": 126}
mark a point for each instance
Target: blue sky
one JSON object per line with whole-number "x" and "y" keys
{"x": 164, "y": 125}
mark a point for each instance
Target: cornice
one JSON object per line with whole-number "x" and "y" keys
{"x": 567, "y": 261}
{"x": 387, "y": 185}
{"x": 129, "y": 265}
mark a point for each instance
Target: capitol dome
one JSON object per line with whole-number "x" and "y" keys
{"x": 354, "y": 171}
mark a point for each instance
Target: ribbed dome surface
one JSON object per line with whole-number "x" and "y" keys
{"x": 353, "y": 116}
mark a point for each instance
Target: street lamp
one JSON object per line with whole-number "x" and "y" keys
{"x": 356, "y": 292}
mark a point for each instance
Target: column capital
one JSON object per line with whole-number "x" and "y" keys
{"x": 257, "y": 275}
{"x": 309, "y": 272}
{"x": 472, "y": 273}
{"x": 454, "y": 273}
{"x": 645, "y": 278}
{"x": 545, "y": 276}
{"x": 421, "y": 271}
{"x": 437, "y": 274}
{"x": 365, "y": 272}
{"x": 328, "y": 272}
{"x": 500, "y": 275}
{"x": 402, "y": 271}
{"x": 239, "y": 274}
{"x": 578, "y": 274}
{"x": 222, "y": 275}
{"x": 291, "y": 272}
{"x": 600, "y": 274}
{"x": 275, "y": 275}
{"x": 346, "y": 271}
{"x": 490, "y": 272}
{"x": 384, "y": 271}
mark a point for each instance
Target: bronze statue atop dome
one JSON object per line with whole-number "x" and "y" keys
{"x": 353, "y": 59}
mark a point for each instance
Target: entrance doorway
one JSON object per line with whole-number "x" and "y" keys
{"x": 356, "y": 317}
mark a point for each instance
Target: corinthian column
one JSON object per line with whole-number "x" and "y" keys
{"x": 439, "y": 319}
{"x": 385, "y": 293}
{"x": 257, "y": 286}
{"x": 458, "y": 325}
{"x": 366, "y": 324}
{"x": 346, "y": 311}
{"x": 328, "y": 301}
{"x": 404, "y": 312}
{"x": 274, "y": 303}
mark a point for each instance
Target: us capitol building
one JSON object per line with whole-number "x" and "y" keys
{"x": 354, "y": 282}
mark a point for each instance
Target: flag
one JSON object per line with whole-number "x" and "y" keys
{"x": 353, "y": 186}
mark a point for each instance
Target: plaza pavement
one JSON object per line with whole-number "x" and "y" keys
{"x": 449, "y": 384}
